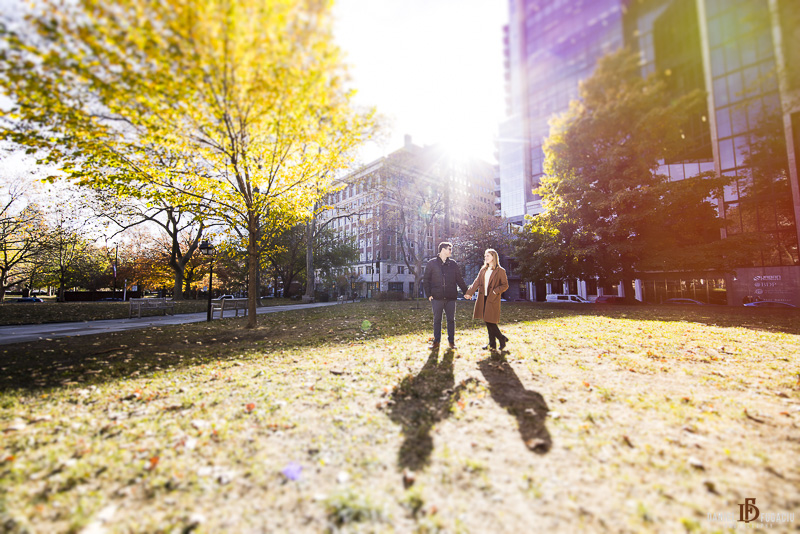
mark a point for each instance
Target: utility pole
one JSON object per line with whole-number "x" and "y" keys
{"x": 116, "y": 256}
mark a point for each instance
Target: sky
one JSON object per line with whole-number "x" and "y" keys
{"x": 434, "y": 68}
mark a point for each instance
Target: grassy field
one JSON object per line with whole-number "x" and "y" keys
{"x": 618, "y": 419}
{"x": 57, "y": 312}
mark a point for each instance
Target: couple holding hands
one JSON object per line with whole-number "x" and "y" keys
{"x": 441, "y": 281}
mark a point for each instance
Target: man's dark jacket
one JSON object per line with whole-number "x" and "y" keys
{"x": 440, "y": 279}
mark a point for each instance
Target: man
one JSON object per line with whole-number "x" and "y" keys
{"x": 441, "y": 277}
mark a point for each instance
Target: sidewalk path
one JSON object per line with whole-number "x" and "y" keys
{"x": 35, "y": 332}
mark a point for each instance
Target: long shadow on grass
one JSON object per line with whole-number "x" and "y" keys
{"x": 529, "y": 407}
{"x": 109, "y": 357}
{"x": 421, "y": 401}
{"x": 95, "y": 359}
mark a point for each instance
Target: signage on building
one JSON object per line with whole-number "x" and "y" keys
{"x": 771, "y": 287}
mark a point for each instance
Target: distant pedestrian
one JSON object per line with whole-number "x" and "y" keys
{"x": 490, "y": 284}
{"x": 441, "y": 281}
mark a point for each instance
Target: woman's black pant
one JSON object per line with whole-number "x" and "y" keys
{"x": 494, "y": 333}
{"x": 492, "y": 328}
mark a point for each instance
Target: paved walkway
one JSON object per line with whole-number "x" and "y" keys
{"x": 35, "y": 332}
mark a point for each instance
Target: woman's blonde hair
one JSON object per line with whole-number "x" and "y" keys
{"x": 496, "y": 257}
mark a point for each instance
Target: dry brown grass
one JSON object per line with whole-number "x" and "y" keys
{"x": 621, "y": 420}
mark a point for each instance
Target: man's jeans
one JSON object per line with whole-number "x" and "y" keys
{"x": 449, "y": 308}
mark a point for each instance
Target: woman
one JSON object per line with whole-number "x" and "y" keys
{"x": 490, "y": 284}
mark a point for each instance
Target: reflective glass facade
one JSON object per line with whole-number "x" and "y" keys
{"x": 511, "y": 155}
{"x": 726, "y": 47}
{"x": 551, "y": 46}
{"x": 749, "y": 128}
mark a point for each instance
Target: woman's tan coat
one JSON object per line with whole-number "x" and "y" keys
{"x": 498, "y": 284}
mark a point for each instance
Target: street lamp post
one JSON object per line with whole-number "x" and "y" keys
{"x": 116, "y": 255}
{"x": 207, "y": 249}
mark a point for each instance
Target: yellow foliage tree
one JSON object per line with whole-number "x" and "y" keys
{"x": 238, "y": 106}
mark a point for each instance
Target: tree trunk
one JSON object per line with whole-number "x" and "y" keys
{"x": 287, "y": 284}
{"x": 310, "y": 281}
{"x": 178, "y": 261}
{"x": 252, "y": 267}
{"x": 62, "y": 288}
{"x": 628, "y": 288}
{"x": 177, "y": 287}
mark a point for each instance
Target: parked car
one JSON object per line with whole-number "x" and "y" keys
{"x": 684, "y": 302}
{"x": 567, "y": 298}
{"x": 770, "y": 304}
{"x": 29, "y": 299}
{"x": 227, "y": 297}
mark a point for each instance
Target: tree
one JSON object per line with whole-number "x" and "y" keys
{"x": 224, "y": 103}
{"x": 64, "y": 251}
{"x": 319, "y": 238}
{"x": 143, "y": 260}
{"x": 21, "y": 235}
{"x": 331, "y": 253}
{"x": 764, "y": 201}
{"x": 183, "y": 226}
{"x": 414, "y": 206}
{"x": 288, "y": 258}
{"x": 608, "y": 212}
{"x": 484, "y": 231}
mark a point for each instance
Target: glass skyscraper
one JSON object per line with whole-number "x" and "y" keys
{"x": 743, "y": 53}
{"x": 550, "y": 46}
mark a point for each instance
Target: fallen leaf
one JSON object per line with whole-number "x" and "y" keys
{"x": 408, "y": 478}
{"x": 697, "y": 464}
{"x": 16, "y": 425}
{"x": 756, "y": 419}
{"x": 199, "y": 424}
